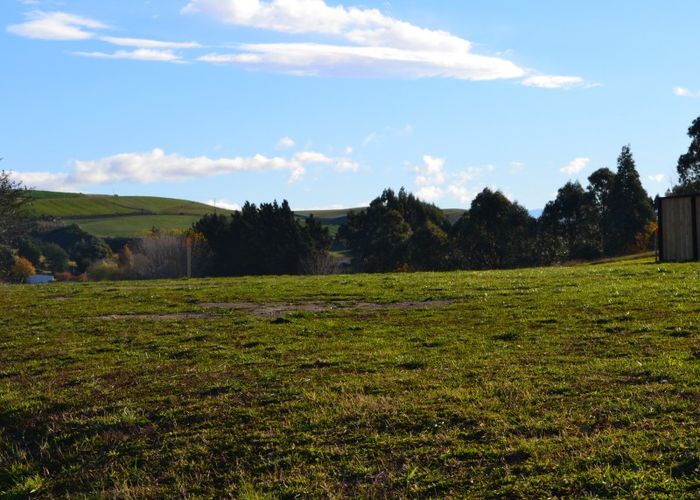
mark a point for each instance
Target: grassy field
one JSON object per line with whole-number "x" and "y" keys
{"x": 132, "y": 216}
{"x": 578, "y": 381}
{"x": 133, "y": 226}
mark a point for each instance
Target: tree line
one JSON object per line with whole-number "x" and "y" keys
{"x": 612, "y": 215}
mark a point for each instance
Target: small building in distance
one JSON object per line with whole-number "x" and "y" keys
{"x": 678, "y": 233}
{"x": 39, "y": 279}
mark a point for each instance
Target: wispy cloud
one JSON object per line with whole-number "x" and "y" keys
{"x": 62, "y": 26}
{"x": 373, "y": 44}
{"x": 145, "y": 43}
{"x": 157, "y": 166}
{"x": 226, "y": 205}
{"x": 435, "y": 182}
{"x": 554, "y": 82}
{"x": 658, "y": 178}
{"x": 286, "y": 143}
{"x": 56, "y": 26}
{"x": 575, "y": 166}
{"x": 684, "y": 92}
{"x": 136, "y": 55}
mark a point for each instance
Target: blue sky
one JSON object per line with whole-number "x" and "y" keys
{"x": 326, "y": 103}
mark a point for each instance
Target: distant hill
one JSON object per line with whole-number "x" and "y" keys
{"x": 119, "y": 216}
{"x": 132, "y": 216}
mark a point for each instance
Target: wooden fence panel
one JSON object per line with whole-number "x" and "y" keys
{"x": 677, "y": 221}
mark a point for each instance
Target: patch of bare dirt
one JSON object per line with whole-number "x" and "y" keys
{"x": 168, "y": 316}
{"x": 280, "y": 308}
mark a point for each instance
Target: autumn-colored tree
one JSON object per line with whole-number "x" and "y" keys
{"x": 22, "y": 270}
{"x": 125, "y": 258}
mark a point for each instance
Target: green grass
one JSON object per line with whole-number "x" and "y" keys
{"x": 119, "y": 216}
{"x": 82, "y": 205}
{"x": 132, "y": 226}
{"x": 562, "y": 382}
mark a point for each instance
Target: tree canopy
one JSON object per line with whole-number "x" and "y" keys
{"x": 689, "y": 163}
{"x": 13, "y": 198}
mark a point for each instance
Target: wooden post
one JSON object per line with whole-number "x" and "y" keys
{"x": 189, "y": 256}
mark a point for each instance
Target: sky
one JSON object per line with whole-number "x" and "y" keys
{"x": 326, "y": 103}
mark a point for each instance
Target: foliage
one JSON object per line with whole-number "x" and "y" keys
{"x": 562, "y": 382}
{"x": 7, "y": 261}
{"x": 30, "y": 250}
{"x": 394, "y": 232}
{"x": 22, "y": 270}
{"x": 125, "y": 258}
{"x": 104, "y": 270}
{"x": 56, "y": 257}
{"x": 13, "y": 199}
{"x": 574, "y": 217}
{"x": 261, "y": 240}
{"x": 630, "y": 208}
{"x": 495, "y": 233}
{"x": 81, "y": 246}
{"x": 689, "y": 163}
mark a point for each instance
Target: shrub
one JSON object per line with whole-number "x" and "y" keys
{"x": 30, "y": 251}
{"x": 7, "y": 262}
{"x": 56, "y": 258}
{"x": 104, "y": 270}
{"x": 22, "y": 270}
{"x": 64, "y": 276}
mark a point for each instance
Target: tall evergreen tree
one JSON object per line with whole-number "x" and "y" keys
{"x": 689, "y": 163}
{"x": 396, "y": 230}
{"x": 630, "y": 208}
{"x": 494, "y": 233}
{"x": 573, "y": 216}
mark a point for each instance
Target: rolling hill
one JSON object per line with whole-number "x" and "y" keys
{"x": 119, "y": 216}
{"x": 132, "y": 216}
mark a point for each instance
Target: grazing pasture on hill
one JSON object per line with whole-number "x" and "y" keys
{"x": 571, "y": 381}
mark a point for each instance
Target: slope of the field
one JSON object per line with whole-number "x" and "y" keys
{"x": 68, "y": 205}
{"x": 119, "y": 216}
{"x": 577, "y": 382}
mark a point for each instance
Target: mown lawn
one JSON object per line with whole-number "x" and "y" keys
{"x": 580, "y": 381}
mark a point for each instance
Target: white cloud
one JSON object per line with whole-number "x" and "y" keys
{"x": 145, "y": 43}
{"x": 575, "y": 166}
{"x": 374, "y": 44}
{"x": 136, "y": 55}
{"x": 54, "y": 181}
{"x": 431, "y": 194}
{"x": 56, "y": 26}
{"x": 223, "y": 204}
{"x": 435, "y": 181}
{"x": 658, "y": 178}
{"x": 516, "y": 167}
{"x": 314, "y": 59}
{"x": 431, "y": 172}
{"x": 157, "y": 166}
{"x": 684, "y": 92}
{"x": 553, "y": 81}
{"x": 286, "y": 143}
{"x": 322, "y": 208}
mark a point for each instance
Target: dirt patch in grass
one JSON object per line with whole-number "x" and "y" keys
{"x": 166, "y": 317}
{"x": 280, "y": 308}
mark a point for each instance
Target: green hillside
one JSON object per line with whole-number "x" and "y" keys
{"x": 119, "y": 216}
{"x": 77, "y": 205}
{"x": 131, "y": 216}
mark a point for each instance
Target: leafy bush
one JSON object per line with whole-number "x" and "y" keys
{"x": 56, "y": 258}
{"x": 30, "y": 251}
{"x": 22, "y": 270}
{"x": 7, "y": 261}
{"x": 104, "y": 270}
